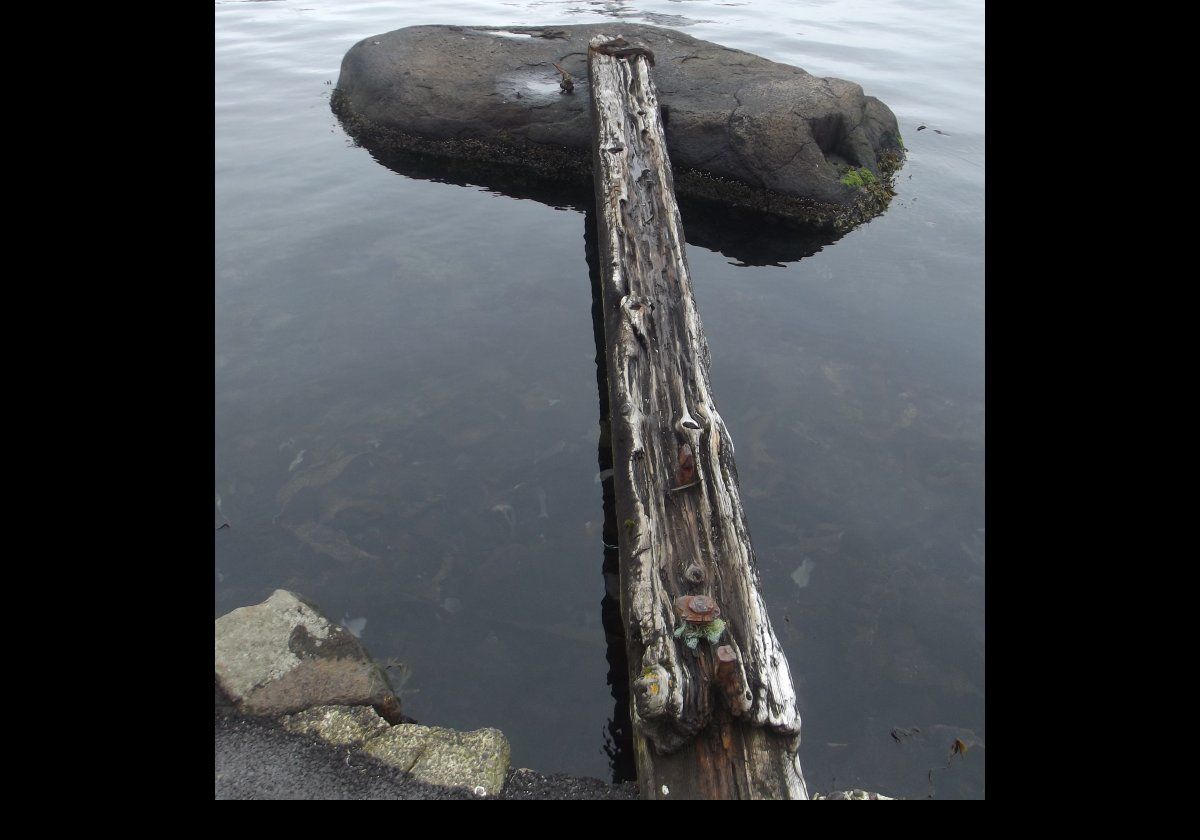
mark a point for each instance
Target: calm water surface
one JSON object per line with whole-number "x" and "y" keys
{"x": 407, "y": 413}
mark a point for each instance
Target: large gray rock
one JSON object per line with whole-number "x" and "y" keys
{"x": 475, "y": 760}
{"x": 284, "y": 656}
{"x": 740, "y": 129}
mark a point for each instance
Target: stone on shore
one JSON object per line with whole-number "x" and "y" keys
{"x": 740, "y": 129}
{"x": 343, "y": 726}
{"x": 475, "y": 760}
{"x": 284, "y": 656}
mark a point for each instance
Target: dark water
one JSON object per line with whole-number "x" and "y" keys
{"x": 407, "y": 412}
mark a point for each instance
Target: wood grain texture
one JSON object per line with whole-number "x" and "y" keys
{"x": 701, "y": 731}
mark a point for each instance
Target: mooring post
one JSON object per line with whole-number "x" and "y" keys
{"x": 714, "y": 711}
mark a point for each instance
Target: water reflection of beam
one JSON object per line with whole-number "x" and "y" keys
{"x": 746, "y": 236}
{"x": 619, "y": 737}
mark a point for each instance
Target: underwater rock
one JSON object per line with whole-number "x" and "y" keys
{"x": 852, "y": 794}
{"x": 284, "y": 656}
{"x": 803, "y": 572}
{"x": 741, "y": 130}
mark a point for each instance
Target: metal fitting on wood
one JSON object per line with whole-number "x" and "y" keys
{"x": 732, "y": 679}
{"x": 686, "y": 473}
{"x": 697, "y": 609}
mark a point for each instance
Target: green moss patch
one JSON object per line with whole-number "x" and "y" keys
{"x": 862, "y": 177}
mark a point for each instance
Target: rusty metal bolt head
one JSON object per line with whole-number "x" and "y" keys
{"x": 686, "y": 473}
{"x": 697, "y": 609}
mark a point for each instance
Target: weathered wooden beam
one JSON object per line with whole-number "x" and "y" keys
{"x": 714, "y": 711}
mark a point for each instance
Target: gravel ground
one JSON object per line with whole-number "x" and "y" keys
{"x": 258, "y": 759}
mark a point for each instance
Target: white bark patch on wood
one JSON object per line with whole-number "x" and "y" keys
{"x": 689, "y": 539}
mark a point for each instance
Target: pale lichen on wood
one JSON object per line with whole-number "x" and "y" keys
{"x": 676, "y": 482}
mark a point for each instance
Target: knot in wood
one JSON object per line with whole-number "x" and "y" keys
{"x": 650, "y": 691}
{"x": 633, "y": 304}
{"x": 688, "y": 426}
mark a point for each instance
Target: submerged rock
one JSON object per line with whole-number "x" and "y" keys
{"x": 740, "y": 129}
{"x": 284, "y": 656}
{"x": 852, "y": 795}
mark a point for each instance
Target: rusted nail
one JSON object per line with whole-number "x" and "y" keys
{"x": 732, "y": 681}
{"x": 687, "y": 466}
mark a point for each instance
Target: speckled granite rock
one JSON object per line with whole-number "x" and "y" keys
{"x": 346, "y": 726}
{"x": 740, "y": 129}
{"x": 284, "y": 656}
{"x": 475, "y": 760}
{"x": 256, "y": 758}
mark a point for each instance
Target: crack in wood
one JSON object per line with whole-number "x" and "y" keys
{"x": 685, "y": 537}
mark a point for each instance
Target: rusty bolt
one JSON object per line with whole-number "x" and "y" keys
{"x": 697, "y": 609}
